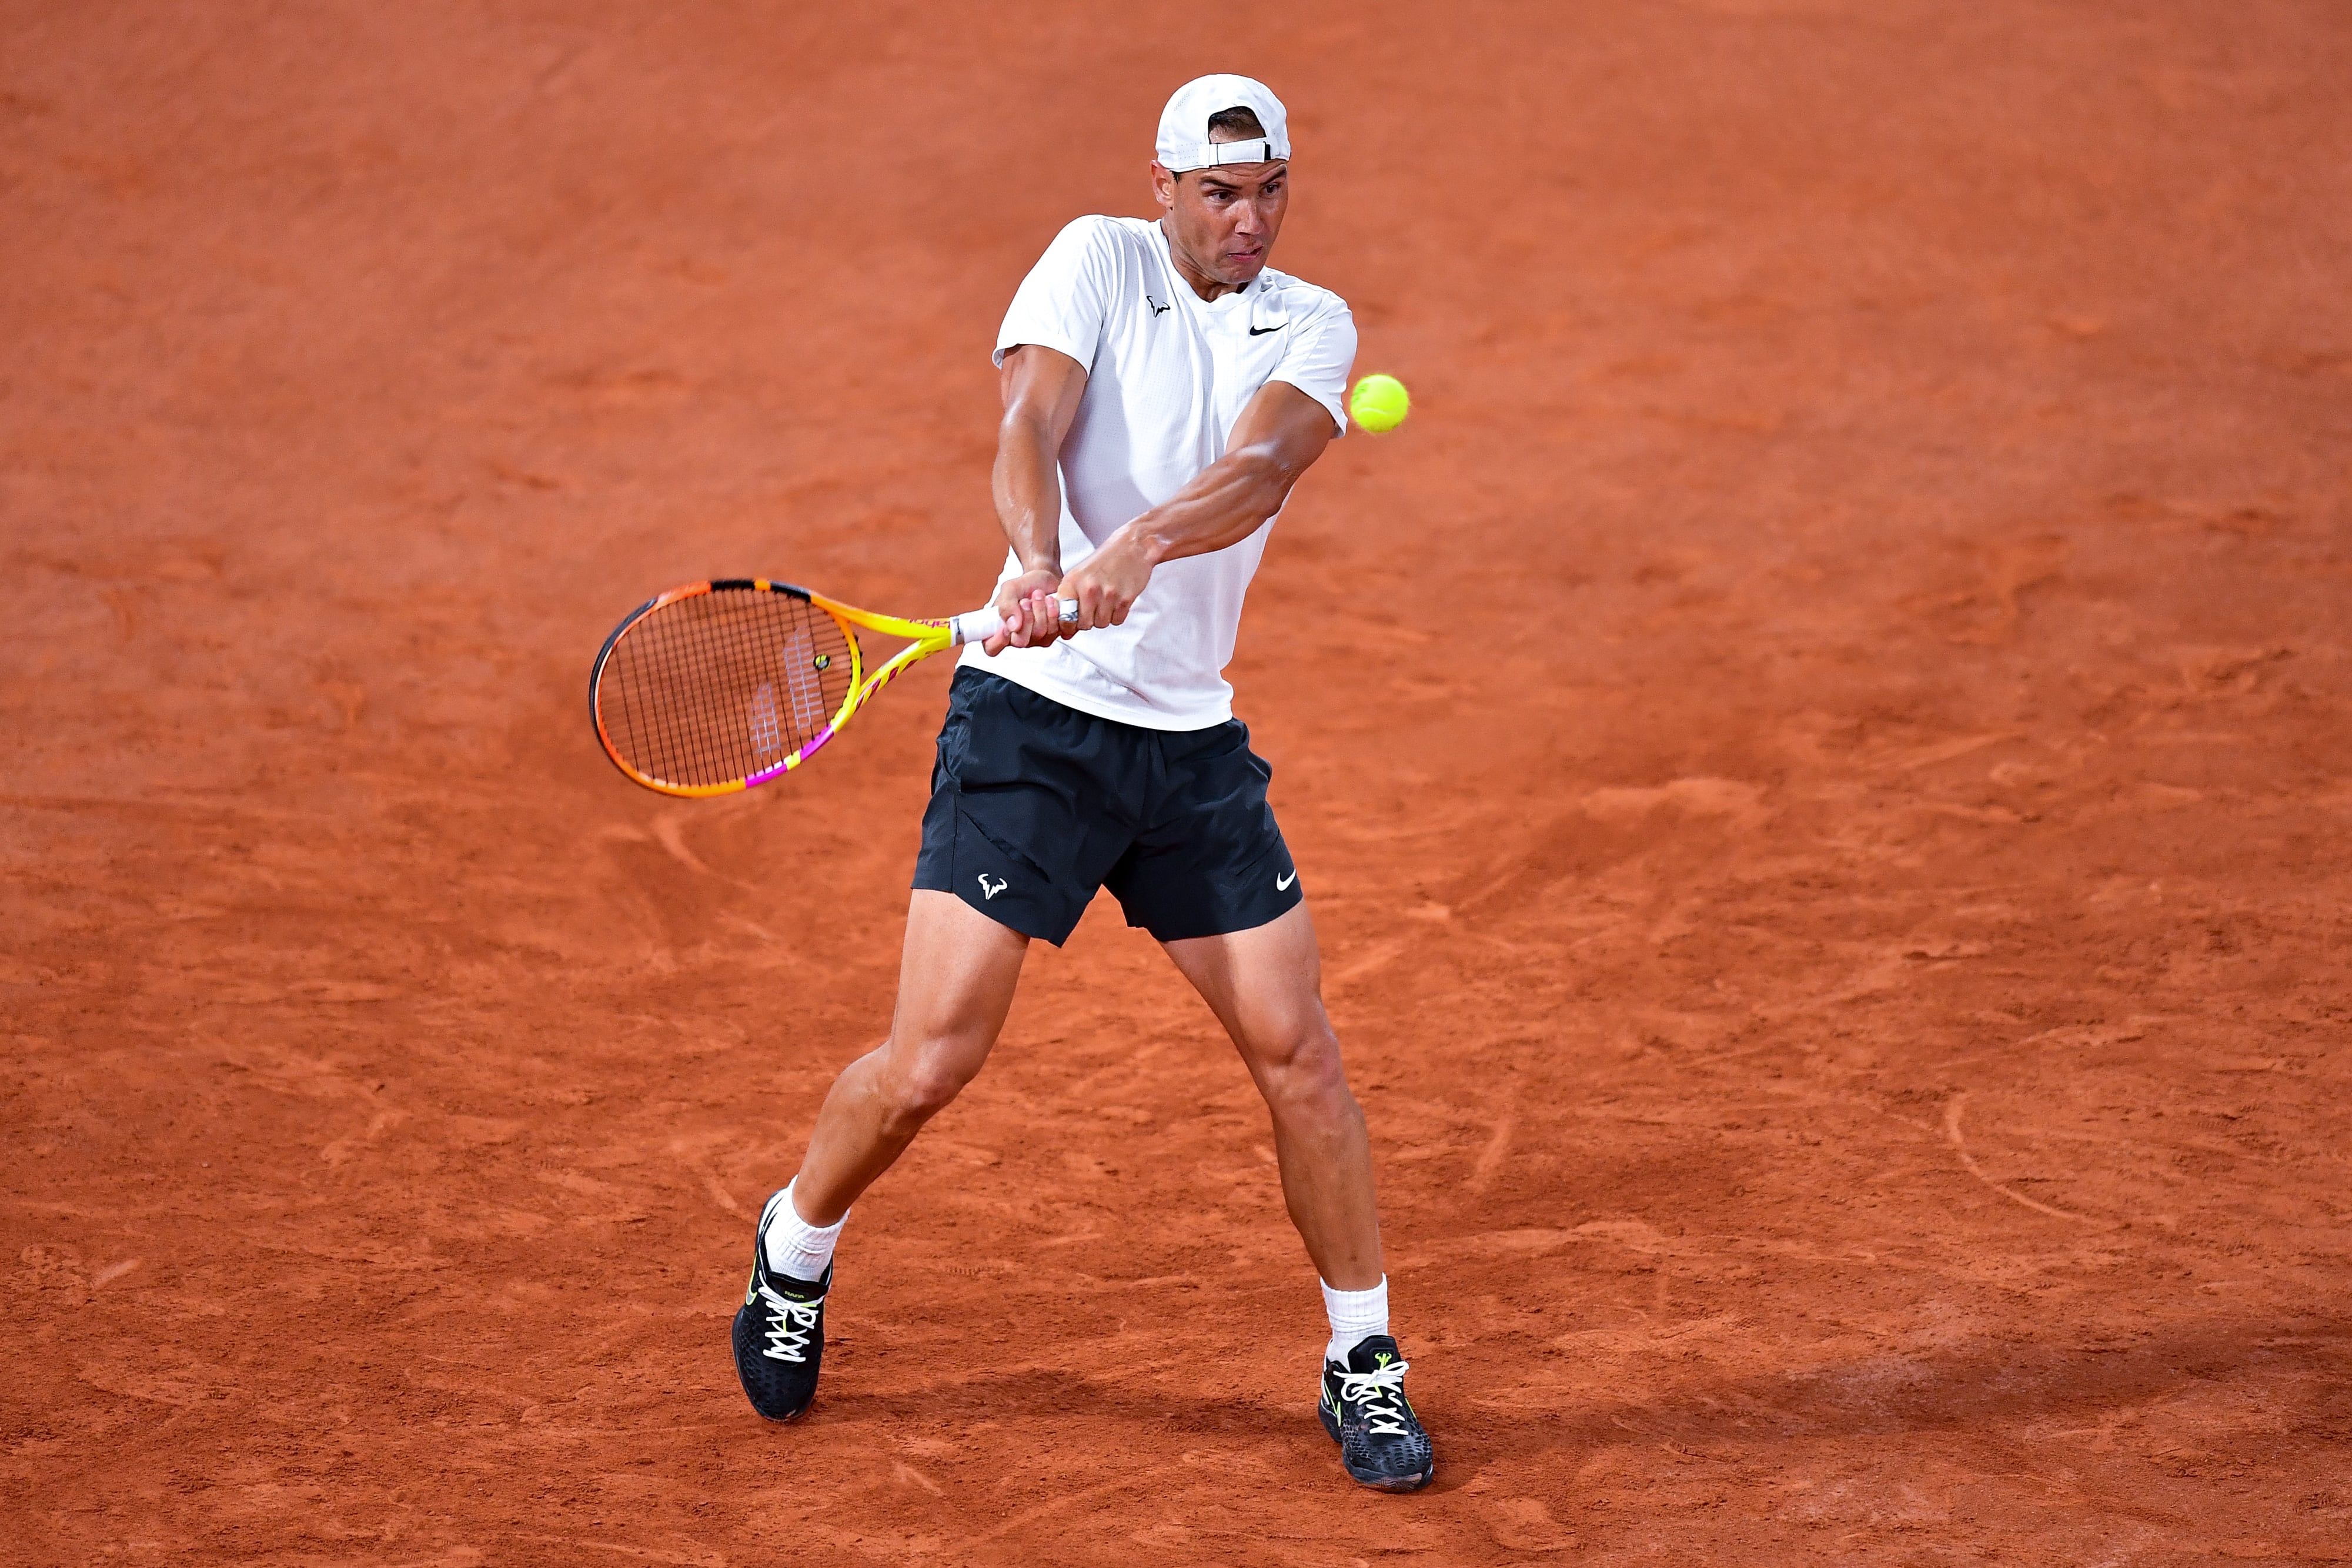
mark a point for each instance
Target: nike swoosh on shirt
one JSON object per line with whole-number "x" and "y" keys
{"x": 1283, "y": 884}
{"x": 1262, "y": 331}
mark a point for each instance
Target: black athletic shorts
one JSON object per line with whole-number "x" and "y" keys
{"x": 1035, "y": 805}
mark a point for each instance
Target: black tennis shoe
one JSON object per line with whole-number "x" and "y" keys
{"x": 778, "y": 1332}
{"x": 1364, "y": 1408}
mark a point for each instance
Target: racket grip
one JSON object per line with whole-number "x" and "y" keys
{"x": 978, "y": 625}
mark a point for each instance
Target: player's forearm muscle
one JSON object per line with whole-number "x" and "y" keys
{"x": 1027, "y": 483}
{"x": 1042, "y": 388}
{"x": 1278, "y": 438}
{"x": 1225, "y": 503}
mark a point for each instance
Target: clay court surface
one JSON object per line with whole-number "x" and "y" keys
{"x": 1820, "y": 756}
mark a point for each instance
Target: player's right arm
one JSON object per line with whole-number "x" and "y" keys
{"x": 1042, "y": 389}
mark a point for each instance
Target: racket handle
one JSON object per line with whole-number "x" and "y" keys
{"x": 978, "y": 625}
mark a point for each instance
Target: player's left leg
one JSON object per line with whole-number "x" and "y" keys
{"x": 1265, "y": 984}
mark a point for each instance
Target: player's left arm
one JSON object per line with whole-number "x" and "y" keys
{"x": 1278, "y": 438}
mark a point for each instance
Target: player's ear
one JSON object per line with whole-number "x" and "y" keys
{"x": 1163, "y": 183}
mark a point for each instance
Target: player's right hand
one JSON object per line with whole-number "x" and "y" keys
{"x": 1032, "y": 612}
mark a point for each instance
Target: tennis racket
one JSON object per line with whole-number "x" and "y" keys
{"x": 717, "y": 686}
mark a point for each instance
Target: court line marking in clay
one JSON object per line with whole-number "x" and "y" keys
{"x": 1947, "y": 750}
{"x": 1380, "y": 957}
{"x": 669, "y": 832}
{"x": 1499, "y": 1147}
{"x": 1952, "y": 1132}
{"x": 710, "y": 1182}
{"x": 650, "y": 1555}
{"x": 904, "y": 1472}
{"x": 1059, "y": 1503}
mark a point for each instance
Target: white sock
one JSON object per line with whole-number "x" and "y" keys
{"x": 795, "y": 1246}
{"x": 1354, "y": 1314}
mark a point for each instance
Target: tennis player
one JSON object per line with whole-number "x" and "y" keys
{"x": 1163, "y": 389}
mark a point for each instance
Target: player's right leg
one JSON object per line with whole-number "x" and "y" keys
{"x": 956, "y": 978}
{"x": 1024, "y": 818}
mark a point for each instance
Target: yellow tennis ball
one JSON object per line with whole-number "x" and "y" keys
{"x": 1379, "y": 403}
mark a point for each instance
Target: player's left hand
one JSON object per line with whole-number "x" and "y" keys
{"x": 1108, "y": 583}
{"x": 1030, "y": 615}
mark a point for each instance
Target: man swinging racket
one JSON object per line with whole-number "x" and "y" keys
{"x": 1163, "y": 389}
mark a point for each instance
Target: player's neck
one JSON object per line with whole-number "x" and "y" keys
{"x": 1204, "y": 285}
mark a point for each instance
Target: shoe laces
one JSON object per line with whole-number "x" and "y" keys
{"x": 1380, "y": 1396}
{"x": 790, "y": 1325}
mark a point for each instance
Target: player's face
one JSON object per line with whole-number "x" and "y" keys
{"x": 1222, "y": 222}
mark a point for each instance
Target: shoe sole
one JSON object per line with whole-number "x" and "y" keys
{"x": 1377, "y": 1483}
{"x": 1395, "y": 1483}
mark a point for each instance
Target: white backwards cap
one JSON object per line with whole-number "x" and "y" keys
{"x": 1184, "y": 124}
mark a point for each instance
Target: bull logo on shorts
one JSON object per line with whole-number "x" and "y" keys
{"x": 991, "y": 887}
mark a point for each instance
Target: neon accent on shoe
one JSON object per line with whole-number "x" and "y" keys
{"x": 1381, "y": 1441}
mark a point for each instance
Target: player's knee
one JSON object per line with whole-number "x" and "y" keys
{"x": 923, "y": 1087}
{"x": 1301, "y": 1064}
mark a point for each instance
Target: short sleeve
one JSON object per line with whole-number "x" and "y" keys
{"x": 1063, "y": 302}
{"x": 1321, "y": 352}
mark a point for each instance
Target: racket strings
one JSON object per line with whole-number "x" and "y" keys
{"x": 719, "y": 686}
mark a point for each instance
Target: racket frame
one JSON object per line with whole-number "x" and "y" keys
{"x": 924, "y": 639}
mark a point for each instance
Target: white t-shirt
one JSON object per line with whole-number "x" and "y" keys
{"x": 1168, "y": 373}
